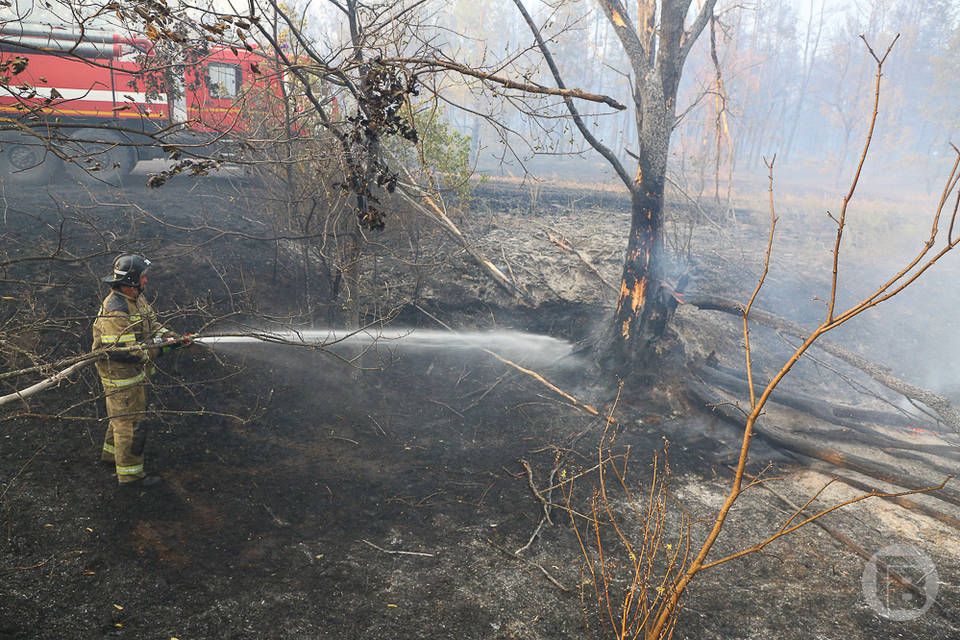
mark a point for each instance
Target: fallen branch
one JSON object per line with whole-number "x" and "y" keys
{"x": 528, "y": 562}
{"x": 40, "y": 564}
{"x": 507, "y": 82}
{"x": 533, "y": 374}
{"x": 868, "y": 467}
{"x": 946, "y": 412}
{"x": 536, "y": 376}
{"x": 566, "y": 246}
{"x": 53, "y": 380}
{"x": 545, "y": 501}
{"x": 397, "y": 553}
{"x": 78, "y": 362}
{"x": 429, "y": 208}
{"x": 484, "y": 394}
{"x": 445, "y": 406}
{"x": 533, "y": 487}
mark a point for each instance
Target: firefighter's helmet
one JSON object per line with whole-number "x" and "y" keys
{"x": 127, "y": 270}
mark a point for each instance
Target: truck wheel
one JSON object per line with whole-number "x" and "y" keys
{"x": 98, "y": 158}
{"x": 24, "y": 160}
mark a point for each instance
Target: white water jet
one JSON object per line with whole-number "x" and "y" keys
{"x": 507, "y": 343}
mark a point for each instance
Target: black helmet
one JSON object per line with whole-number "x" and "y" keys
{"x": 127, "y": 270}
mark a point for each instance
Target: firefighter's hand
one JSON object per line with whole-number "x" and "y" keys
{"x": 169, "y": 344}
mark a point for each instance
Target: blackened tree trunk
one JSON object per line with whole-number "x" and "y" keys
{"x": 657, "y": 47}
{"x": 641, "y": 313}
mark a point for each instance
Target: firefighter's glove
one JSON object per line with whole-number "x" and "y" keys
{"x": 167, "y": 344}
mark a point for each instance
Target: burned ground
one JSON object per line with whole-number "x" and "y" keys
{"x": 307, "y": 499}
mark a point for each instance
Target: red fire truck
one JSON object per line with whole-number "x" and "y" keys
{"x": 102, "y": 98}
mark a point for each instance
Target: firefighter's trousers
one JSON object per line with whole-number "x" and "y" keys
{"x": 126, "y": 436}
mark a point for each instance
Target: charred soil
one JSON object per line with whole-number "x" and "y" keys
{"x": 304, "y": 498}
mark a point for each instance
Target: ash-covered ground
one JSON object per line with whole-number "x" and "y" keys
{"x": 305, "y": 498}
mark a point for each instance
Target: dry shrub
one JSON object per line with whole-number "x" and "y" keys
{"x": 636, "y": 546}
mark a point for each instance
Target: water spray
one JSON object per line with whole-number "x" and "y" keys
{"x": 515, "y": 343}
{"x": 519, "y": 345}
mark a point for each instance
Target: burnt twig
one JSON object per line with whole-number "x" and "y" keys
{"x": 393, "y": 552}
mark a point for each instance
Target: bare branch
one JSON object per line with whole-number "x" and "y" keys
{"x": 526, "y": 87}
{"x": 601, "y": 148}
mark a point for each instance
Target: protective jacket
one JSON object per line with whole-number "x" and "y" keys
{"x": 126, "y": 322}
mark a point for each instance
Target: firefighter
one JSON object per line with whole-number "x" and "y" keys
{"x": 126, "y": 320}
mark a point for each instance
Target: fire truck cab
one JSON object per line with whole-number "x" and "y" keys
{"x": 104, "y": 99}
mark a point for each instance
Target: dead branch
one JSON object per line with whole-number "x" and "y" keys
{"x": 397, "y": 553}
{"x": 506, "y": 82}
{"x": 549, "y": 385}
{"x": 53, "y": 380}
{"x": 566, "y": 246}
{"x": 946, "y": 412}
{"x": 445, "y": 406}
{"x": 594, "y": 142}
{"x": 545, "y": 501}
{"x": 523, "y": 560}
{"x": 43, "y": 562}
{"x": 78, "y": 362}
{"x": 533, "y": 487}
{"x": 436, "y": 215}
{"x": 693, "y": 202}
{"x": 485, "y": 393}
{"x": 533, "y": 374}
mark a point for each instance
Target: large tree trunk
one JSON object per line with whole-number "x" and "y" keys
{"x": 641, "y": 312}
{"x": 657, "y": 47}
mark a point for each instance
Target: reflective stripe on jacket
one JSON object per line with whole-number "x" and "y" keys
{"x": 122, "y": 322}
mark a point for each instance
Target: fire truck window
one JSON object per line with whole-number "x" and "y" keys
{"x": 224, "y": 80}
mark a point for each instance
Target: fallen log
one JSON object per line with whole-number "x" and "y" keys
{"x": 944, "y": 410}
{"x": 834, "y": 413}
{"x": 906, "y": 503}
{"x": 826, "y": 412}
{"x": 872, "y": 468}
